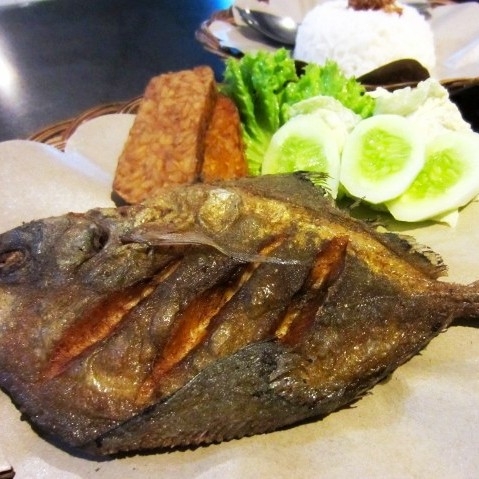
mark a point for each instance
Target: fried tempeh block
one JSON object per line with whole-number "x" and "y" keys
{"x": 224, "y": 153}
{"x": 166, "y": 142}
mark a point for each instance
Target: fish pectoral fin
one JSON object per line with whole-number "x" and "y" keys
{"x": 157, "y": 236}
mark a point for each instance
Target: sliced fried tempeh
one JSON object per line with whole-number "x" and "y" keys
{"x": 166, "y": 142}
{"x": 224, "y": 153}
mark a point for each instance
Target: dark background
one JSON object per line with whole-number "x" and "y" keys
{"x": 60, "y": 57}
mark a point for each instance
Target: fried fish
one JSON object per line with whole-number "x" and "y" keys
{"x": 211, "y": 312}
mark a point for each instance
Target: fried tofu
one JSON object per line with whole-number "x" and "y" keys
{"x": 166, "y": 142}
{"x": 224, "y": 153}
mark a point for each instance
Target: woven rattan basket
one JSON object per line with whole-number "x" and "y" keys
{"x": 58, "y": 133}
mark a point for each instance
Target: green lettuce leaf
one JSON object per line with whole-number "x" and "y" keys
{"x": 264, "y": 85}
{"x": 329, "y": 80}
{"x": 255, "y": 83}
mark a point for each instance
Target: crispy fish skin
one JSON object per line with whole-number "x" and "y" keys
{"x": 212, "y": 312}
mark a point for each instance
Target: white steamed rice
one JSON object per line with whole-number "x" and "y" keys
{"x": 362, "y": 40}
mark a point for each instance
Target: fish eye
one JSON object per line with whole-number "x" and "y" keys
{"x": 80, "y": 242}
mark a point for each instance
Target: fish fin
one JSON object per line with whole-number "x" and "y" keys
{"x": 469, "y": 316}
{"x": 155, "y": 236}
{"x": 421, "y": 256}
{"x": 230, "y": 399}
{"x": 301, "y": 188}
{"x": 318, "y": 179}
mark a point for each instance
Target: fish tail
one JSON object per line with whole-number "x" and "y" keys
{"x": 470, "y": 305}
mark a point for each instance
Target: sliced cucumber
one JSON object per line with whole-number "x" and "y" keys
{"x": 340, "y": 119}
{"x": 304, "y": 143}
{"x": 381, "y": 158}
{"x": 449, "y": 179}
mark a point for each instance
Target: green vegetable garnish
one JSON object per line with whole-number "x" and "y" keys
{"x": 264, "y": 85}
{"x": 370, "y": 146}
{"x": 448, "y": 180}
{"x": 329, "y": 80}
{"x": 305, "y": 143}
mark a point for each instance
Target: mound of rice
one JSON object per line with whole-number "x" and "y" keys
{"x": 362, "y": 40}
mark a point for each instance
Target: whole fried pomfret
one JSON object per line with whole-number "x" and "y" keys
{"x": 211, "y": 313}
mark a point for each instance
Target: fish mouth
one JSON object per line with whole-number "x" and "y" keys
{"x": 12, "y": 260}
{"x": 15, "y": 257}
{"x": 28, "y": 251}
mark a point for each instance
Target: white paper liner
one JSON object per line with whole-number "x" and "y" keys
{"x": 421, "y": 422}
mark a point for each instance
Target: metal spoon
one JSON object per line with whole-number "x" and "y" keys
{"x": 279, "y": 29}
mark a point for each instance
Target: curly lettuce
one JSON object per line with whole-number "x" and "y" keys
{"x": 265, "y": 85}
{"x": 329, "y": 80}
{"x": 256, "y": 84}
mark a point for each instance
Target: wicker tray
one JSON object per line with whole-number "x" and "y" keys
{"x": 58, "y": 133}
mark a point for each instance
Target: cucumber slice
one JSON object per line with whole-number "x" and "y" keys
{"x": 449, "y": 179}
{"x": 304, "y": 143}
{"x": 381, "y": 158}
{"x": 341, "y": 120}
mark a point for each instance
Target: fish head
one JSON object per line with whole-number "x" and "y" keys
{"x": 31, "y": 252}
